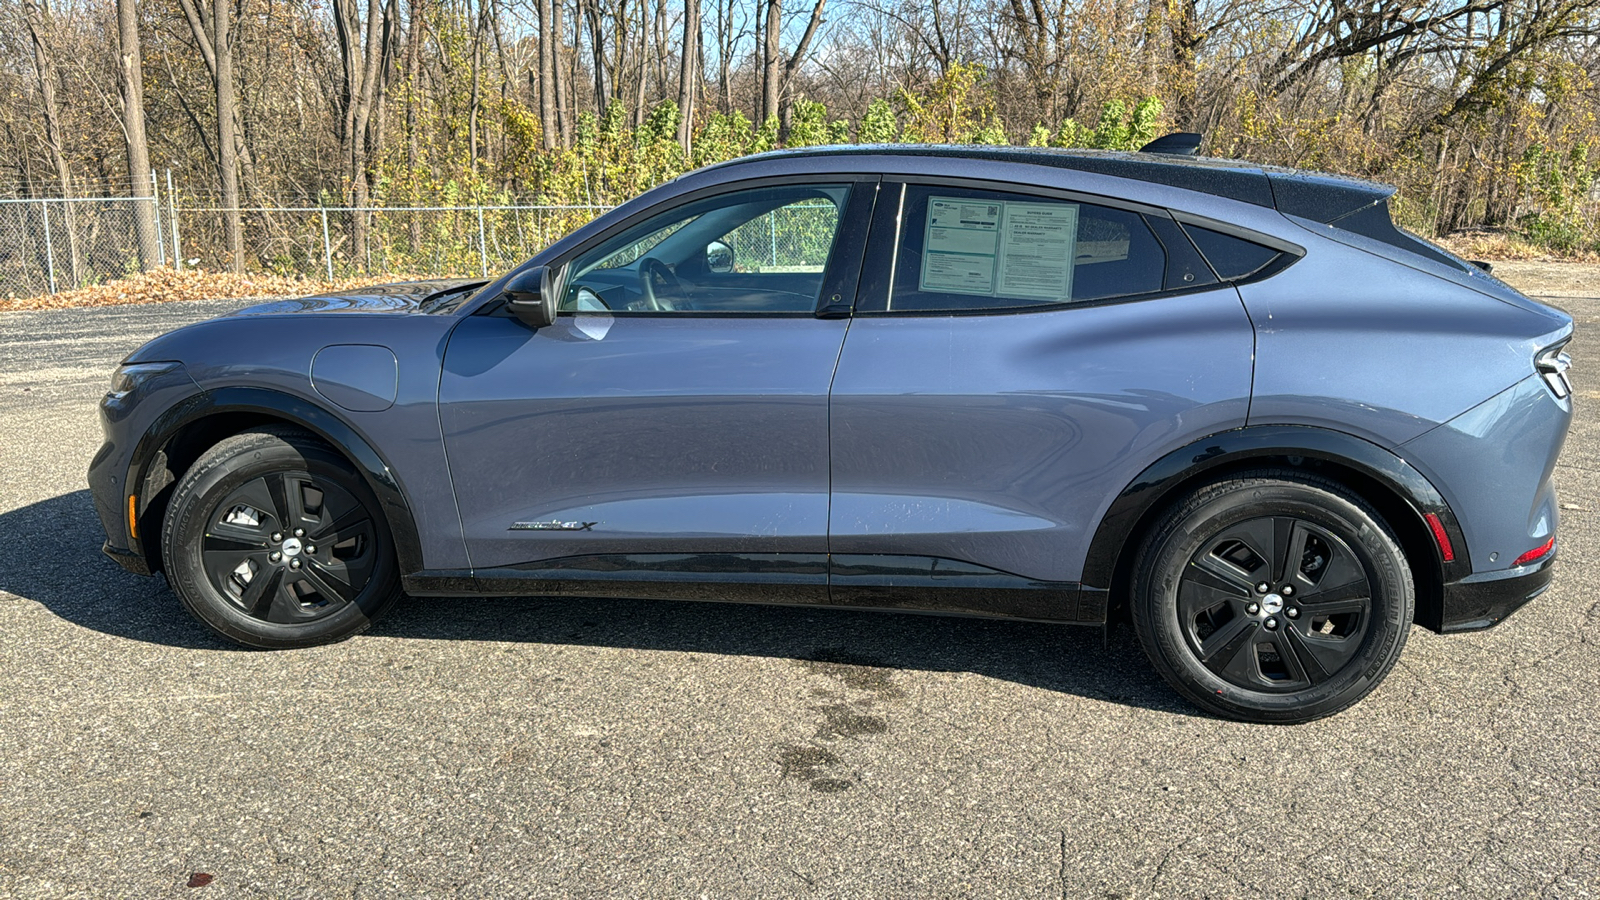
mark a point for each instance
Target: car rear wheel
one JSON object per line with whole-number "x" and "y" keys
{"x": 274, "y": 541}
{"x": 1272, "y": 597}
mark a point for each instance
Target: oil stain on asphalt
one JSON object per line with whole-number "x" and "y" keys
{"x": 846, "y": 717}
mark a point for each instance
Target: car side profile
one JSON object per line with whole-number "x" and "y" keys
{"x": 1233, "y": 403}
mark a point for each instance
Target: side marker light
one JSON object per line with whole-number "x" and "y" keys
{"x": 1447, "y": 552}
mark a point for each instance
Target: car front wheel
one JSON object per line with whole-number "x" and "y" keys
{"x": 274, "y": 541}
{"x": 1272, "y": 597}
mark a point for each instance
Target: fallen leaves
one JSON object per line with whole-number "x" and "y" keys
{"x": 167, "y": 285}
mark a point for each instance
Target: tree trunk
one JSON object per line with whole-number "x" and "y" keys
{"x": 688, "y": 73}
{"x": 549, "y": 40}
{"x": 769, "y": 61}
{"x": 130, "y": 73}
{"x": 1186, "y": 39}
{"x": 590, "y": 9}
{"x": 786, "y": 101}
{"x": 364, "y": 57}
{"x": 45, "y": 66}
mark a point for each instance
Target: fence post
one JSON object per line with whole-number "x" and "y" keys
{"x": 483, "y": 247}
{"x": 327, "y": 245}
{"x": 172, "y": 213}
{"x": 49, "y": 250}
{"x": 155, "y": 207}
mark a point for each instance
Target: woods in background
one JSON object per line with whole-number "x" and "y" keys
{"x": 1482, "y": 111}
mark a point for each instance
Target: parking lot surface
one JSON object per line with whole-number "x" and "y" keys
{"x": 605, "y": 747}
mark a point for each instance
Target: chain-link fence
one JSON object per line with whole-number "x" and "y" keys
{"x": 53, "y": 244}
{"x": 340, "y": 242}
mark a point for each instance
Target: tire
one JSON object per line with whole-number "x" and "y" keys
{"x": 1240, "y": 630}
{"x": 236, "y": 560}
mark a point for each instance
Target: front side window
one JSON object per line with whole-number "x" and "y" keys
{"x": 761, "y": 250}
{"x": 967, "y": 250}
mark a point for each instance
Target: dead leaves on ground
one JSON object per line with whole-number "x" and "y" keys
{"x": 166, "y": 285}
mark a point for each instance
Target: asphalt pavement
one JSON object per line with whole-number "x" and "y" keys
{"x": 601, "y": 747}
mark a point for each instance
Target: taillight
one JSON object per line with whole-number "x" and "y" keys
{"x": 1552, "y": 364}
{"x": 1536, "y": 553}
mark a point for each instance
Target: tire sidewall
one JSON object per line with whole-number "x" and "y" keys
{"x": 1209, "y": 513}
{"x": 209, "y": 482}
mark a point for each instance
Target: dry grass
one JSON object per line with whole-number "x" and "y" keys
{"x": 1498, "y": 245}
{"x": 165, "y": 285}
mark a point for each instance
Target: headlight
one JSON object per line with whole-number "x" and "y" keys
{"x": 128, "y": 378}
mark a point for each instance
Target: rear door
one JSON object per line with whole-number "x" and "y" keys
{"x": 1017, "y": 357}
{"x": 675, "y": 416}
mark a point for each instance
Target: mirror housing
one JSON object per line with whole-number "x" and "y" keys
{"x": 719, "y": 257}
{"x": 531, "y": 296}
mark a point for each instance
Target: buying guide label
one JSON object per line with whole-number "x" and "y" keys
{"x": 999, "y": 248}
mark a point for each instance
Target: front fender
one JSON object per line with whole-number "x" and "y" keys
{"x": 276, "y": 405}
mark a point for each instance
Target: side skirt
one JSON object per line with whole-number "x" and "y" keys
{"x": 897, "y": 583}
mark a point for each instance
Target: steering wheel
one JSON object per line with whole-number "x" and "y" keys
{"x": 669, "y": 294}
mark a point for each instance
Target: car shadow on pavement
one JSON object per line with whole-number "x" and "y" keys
{"x": 50, "y": 554}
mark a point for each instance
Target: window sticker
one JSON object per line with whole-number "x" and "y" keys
{"x": 1037, "y": 250}
{"x": 997, "y": 248}
{"x": 959, "y": 250}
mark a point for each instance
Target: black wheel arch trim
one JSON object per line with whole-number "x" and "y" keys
{"x": 294, "y": 410}
{"x": 1267, "y": 444}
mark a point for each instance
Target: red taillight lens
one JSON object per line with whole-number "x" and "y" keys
{"x": 1536, "y": 553}
{"x": 1447, "y": 552}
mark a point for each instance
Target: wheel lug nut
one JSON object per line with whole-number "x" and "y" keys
{"x": 1253, "y": 608}
{"x": 1288, "y": 590}
{"x": 276, "y": 536}
{"x": 1292, "y": 612}
{"x": 1272, "y": 623}
{"x": 294, "y": 563}
{"x": 299, "y": 532}
{"x": 1263, "y": 587}
{"x": 275, "y": 556}
{"x": 311, "y": 548}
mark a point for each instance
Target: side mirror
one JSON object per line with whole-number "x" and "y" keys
{"x": 531, "y": 296}
{"x": 719, "y": 257}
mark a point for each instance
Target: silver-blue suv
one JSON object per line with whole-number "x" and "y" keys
{"x": 1231, "y": 402}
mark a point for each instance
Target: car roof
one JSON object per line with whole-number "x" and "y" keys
{"x": 1318, "y": 196}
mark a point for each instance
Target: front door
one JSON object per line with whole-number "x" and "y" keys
{"x": 674, "y": 418}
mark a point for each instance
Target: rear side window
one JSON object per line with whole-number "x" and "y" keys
{"x": 1232, "y": 257}
{"x": 973, "y": 250}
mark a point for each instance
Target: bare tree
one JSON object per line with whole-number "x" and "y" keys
{"x": 39, "y": 23}
{"x": 130, "y": 77}
{"x": 214, "y": 35}
{"x": 365, "y": 49}
{"x": 688, "y": 72}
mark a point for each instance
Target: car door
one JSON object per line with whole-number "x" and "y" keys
{"x": 1016, "y": 358}
{"x": 673, "y": 419}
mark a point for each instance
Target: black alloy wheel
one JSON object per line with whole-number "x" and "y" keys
{"x": 1274, "y": 603}
{"x": 275, "y": 541}
{"x": 1272, "y": 597}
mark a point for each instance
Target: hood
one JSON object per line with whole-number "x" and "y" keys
{"x": 437, "y": 296}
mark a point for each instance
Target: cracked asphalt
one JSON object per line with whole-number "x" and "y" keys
{"x": 577, "y": 747}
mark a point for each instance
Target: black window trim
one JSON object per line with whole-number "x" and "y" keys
{"x": 877, "y": 273}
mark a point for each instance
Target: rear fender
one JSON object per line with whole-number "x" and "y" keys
{"x": 1389, "y": 483}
